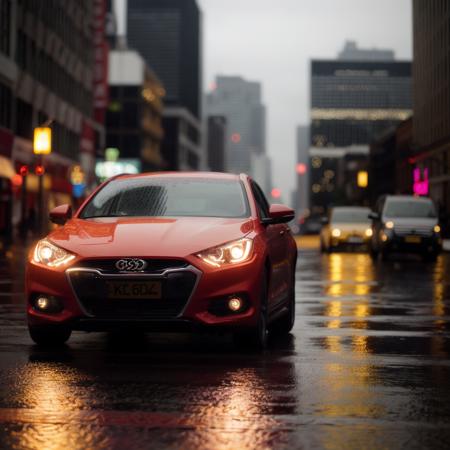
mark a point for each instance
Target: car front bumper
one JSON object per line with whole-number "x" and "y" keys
{"x": 193, "y": 296}
{"x": 403, "y": 244}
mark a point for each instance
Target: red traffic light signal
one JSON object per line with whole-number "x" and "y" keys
{"x": 276, "y": 193}
{"x": 23, "y": 171}
{"x": 39, "y": 170}
{"x": 301, "y": 168}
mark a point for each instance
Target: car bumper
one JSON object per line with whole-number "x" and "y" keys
{"x": 426, "y": 245}
{"x": 196, "y": 296}
{"x": 353, "y": 240}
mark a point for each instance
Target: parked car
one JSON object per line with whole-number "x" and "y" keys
{"x": 347, "y": 226}
{"x": 170, "y": 251}
{"x": 406, "y": 224}
{"x": 310, "y": 225}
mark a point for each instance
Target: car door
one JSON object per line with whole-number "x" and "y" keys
{"x": 277, "y": 248}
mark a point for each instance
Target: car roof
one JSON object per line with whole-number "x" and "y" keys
{"x": 199, "y": 174}
{"x": 408, "y": 197}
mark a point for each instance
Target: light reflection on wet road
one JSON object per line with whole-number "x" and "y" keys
{"x": 367, "y": 367}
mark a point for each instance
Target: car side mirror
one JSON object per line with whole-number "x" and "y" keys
{"x": 279, "y": 214}
{"x": 61, "y": 214}
{"x": 373, "y": 216}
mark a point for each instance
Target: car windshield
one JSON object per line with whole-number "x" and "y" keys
{"x": 350, "y": 215}
{"x": 164, "y": 196}
{"x": 410, "y": 208}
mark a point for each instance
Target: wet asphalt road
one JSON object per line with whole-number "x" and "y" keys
{"x": 367, "y": 367}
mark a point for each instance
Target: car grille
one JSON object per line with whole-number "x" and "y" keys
{"x": 424, "y": 231}
{"x": 154, "y": 266}
{"x": 91, "y": 289}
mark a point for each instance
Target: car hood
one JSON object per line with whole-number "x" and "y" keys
{"x": 147, "y": 237}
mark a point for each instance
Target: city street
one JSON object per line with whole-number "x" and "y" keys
{"x": 367, "y": 366}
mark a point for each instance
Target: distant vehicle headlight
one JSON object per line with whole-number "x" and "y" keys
{"x": 50, "y": 255}
{"x": 389, "y": 225}
{"x": 437, "y": 229}
{"x": 336, "y": 232}
{"x": 230, "y": 253}
{"x": 368, "y": 232}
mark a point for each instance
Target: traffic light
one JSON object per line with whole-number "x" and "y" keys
{"x": 276, "y": 193}
{"x": 23, "y": 171}
{"x": 301, "y": 168}
{"x": 39, "y": 170}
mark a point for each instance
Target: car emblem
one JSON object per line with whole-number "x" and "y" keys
{"x": 131, "y": 265}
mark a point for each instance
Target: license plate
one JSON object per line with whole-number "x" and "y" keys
{"x": 134, "y": 289}
{"x": 355, "y": 240}
{"x": 413, "y": 239}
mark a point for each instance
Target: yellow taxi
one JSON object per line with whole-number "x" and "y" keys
{"x": 346, "y": 226}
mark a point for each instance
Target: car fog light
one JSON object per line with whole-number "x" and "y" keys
{"x": 234, "y": 304}
{"x": 48, "y": 304}
{"x": 42, "y": 303}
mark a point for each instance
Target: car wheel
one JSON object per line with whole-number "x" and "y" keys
{"x": 256, "y": 337}
{"x": 285, "y": 324}
{"x": 384, "y": 255}
{"x": 50, "y": 336}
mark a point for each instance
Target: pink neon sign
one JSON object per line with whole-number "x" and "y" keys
{"x": 421, "y": 184}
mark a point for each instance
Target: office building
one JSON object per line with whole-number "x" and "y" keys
{"x": 52, "y": 70}
{"x": 356, "y": 99}
{"x": 301, "y": 194}
{"x": 239, "y": 101}
{"x": 431, "y": 120}
{"x": 134, "y": 117}
{"x": 167, "y": 33}
{"x": 216, "y": 141}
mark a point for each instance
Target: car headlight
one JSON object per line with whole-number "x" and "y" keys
{"x": 437, "y": 229}
{"x": 230, "y": 253}
{"x": 389, "y": 225}
{"x": 368, "y": 232}
{"x": 50, "y": 255}
{"x": 336, "y": 232}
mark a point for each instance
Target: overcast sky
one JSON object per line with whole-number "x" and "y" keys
{"x": 272, "y": 41}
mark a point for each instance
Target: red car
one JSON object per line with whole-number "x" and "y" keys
{"x": 168, "y": 251}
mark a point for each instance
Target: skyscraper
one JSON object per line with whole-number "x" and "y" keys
{"x": 431, "y": 121}
{"x": 216, "y": 140}
{"x": 352, "y": 101}
{"x": 167, "y": 33}
{"x": 240, "y": 102}
{"x": 302, "y": 191}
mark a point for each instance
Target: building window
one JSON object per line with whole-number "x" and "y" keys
{"x": 5, "y": 26}
{"x": 5, "y": 106}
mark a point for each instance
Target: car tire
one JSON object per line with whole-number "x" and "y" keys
{"x": 50, "y": 336}
{"x": 285, "y": 324}
{"x": 256, "y": 337}
{"x": 384, "y": 255}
